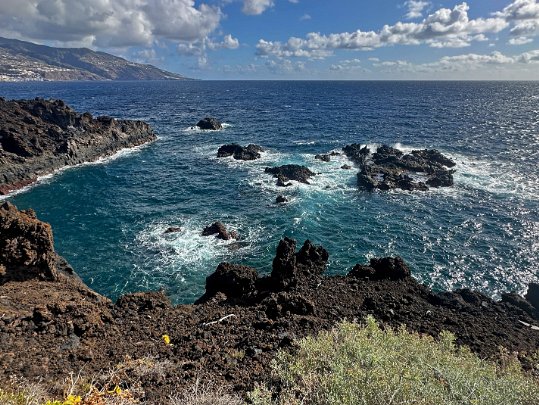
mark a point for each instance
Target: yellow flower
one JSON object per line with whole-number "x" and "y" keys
{"x": 116, "y": 391}
{"x": 73, "y": 400}
{"x": 166, "y": 339}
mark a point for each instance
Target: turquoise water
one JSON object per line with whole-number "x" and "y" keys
{"x": 108, "y": 218}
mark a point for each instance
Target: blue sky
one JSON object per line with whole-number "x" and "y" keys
{"x": 295, "y": 39}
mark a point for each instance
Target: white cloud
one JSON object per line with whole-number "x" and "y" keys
{"x": 520, "y": 41}
{"x": 107, "y": 23}
{"x": 443, "y": 28}
{"x": 305, "y": 17}
{"x": 285, "y": 66}
{"x": 460, "y": 63}
{"x": 524, "y": 15}
{"x": 347, "y": 65}
{"x": 529, "y": 57}
{"x": 415, "y": 8}
{"x": 229, "y": 42}
{"x": 256, "y": 7}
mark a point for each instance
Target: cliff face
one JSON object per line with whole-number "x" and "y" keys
{"x": 51, "y": 324}
{"x": 40, "y": 136}
{"x": 26, "y": 61}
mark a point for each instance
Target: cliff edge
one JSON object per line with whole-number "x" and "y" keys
{"x": 40, "y": 136}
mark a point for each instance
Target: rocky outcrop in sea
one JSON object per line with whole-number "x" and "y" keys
{"x": 52, "y": 325}
{"x": 389, "y": 168}
{"x": 238, "y": 152}
{"x": 40, "y": 136}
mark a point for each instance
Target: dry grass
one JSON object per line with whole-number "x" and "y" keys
{"x": 206, "y": 394}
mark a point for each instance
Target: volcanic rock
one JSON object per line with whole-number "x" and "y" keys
{"x": 387, "y": 268}
{"x": 389, "y": 168}
{"x": 173, "y": 229}
{"x": 289, "y": 267}
{"x": 51, "y": 329}
{"x": 290, "y": 172}
{"x": 281, "y": 199}
{"x": 249, "y": 152}
{"x": 26, "y": 246}
{"x": 233, "y": 280}
{"x": 533, "y": 295}
{"x": 219, "y": 230}
{"x": 210, "y": 123}
{"x": 323, "y": 158}
{"x": 40, "y": 136}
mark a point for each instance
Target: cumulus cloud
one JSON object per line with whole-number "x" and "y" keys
{"x": 228, "y": 42}
{"x": 108, "y": 23}
{"x": 199, "y": 48}
{"x": 256, "y": 7}
{"x": 305, "y": 17}
{"x": 415, "y": 8}
{"x": 461, "y": 63}
{"x": 524, "y": 15}
{"x": 443, "y": 28}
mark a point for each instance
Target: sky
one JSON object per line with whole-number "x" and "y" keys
{"x": 296, "y": 39}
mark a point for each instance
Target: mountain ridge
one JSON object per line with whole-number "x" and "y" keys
{"x": 27, "y": 61}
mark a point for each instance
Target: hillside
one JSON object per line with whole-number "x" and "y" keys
{"x": 26, "y": 61}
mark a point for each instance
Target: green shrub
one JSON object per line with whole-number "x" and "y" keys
{"x": 367, "y": 365}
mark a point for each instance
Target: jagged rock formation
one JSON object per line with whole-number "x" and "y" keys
{"x": 286, "y": 173}
{"x": 238, "y": 152}
{"x": 40, "y": 136}
{"x": 52, "y": 325}
{"x": 24, "y": 61}
{"x": 389, "y": 168}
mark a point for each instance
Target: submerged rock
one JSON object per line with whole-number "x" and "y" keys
{"x": 210, "y": 123}
{"x": 323, "y": 158}
{"x": 290, "y": 172}
{"x": 281, "y": 199}
{"x": 249, "y": 152}
{"x": 173, "y": 229}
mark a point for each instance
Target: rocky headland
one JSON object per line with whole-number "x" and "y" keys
{"x": 52, "y": 325}
{"x": 40, "y": 136}
{"x": 389, "y": 168}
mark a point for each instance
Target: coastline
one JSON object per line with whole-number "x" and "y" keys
{"x": 42, "y": 178}
{"x": 40, "y": 137}
{"x": 53, "y": 324}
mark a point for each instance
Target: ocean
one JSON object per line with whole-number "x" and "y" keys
{"x": 109, "y": 217}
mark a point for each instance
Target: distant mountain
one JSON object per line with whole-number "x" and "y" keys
{"x": 26, "y": 61}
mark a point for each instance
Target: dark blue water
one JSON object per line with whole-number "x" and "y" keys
{"x": 109, "y": 218}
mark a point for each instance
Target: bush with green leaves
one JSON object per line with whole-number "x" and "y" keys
{"x": 367, "y": 365}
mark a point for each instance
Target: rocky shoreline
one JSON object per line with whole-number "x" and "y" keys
{"x": 51, "y": 324}
{"x": 38, "y": 137}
